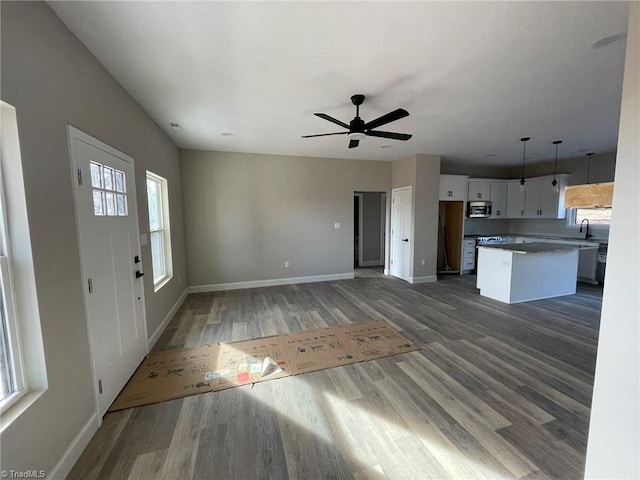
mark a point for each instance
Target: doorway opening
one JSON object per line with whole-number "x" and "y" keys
{"x": 369, "y": 230}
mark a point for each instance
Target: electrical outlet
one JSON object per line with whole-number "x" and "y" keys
{"x": 286, "y": 264}
{"x": 424, "y": 262}
{"x": 336, "y": 226}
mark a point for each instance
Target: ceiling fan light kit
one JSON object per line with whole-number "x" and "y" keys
{"x": 357, "y": 129}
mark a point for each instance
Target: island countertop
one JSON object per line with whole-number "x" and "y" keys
{"x": 532, "y": 248}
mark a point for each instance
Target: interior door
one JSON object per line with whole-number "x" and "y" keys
{"x": 401, "y": 233}
{"x": 106, "y": 210}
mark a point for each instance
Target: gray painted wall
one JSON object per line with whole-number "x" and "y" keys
{"x": 247, "y": 214}
{"x": 614, "y": 436}
{"x": 52, "y": 80}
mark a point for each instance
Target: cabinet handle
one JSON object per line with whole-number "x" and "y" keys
{"x": 522, "y": 213}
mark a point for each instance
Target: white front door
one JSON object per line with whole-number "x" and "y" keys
{"x": 107, "y": 215}
{"x": 401, "y": 233}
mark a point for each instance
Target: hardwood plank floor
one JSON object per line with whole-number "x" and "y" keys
{"x": 496, "y": 391}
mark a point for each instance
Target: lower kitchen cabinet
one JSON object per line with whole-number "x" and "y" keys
{"x": 468, "y": 255}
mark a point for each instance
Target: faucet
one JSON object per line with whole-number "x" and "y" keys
{"x": 586, "y": 235}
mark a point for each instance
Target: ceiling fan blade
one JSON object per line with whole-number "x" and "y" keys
{"x": 393, "y": 135}
{"x": 353, "y": 143}
{"x": 388, "y": 118}
{"x": 331, "y": 119}
{"x": 324, "y": 134}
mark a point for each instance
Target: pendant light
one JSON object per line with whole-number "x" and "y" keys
{"x": 554, "y": 183}
{"x": 588, "y": 166}
{"x": 524, "y": 141}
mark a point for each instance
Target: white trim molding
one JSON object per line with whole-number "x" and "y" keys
{"x": 218, "y": 287}
{"x": 427, "y": 279}
{"x": 151, "y": 341}
{"x": 75, "y": 448}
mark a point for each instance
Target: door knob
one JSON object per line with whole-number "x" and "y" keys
{"x": 405, "y": 239}
{"x": 138, "y": 274}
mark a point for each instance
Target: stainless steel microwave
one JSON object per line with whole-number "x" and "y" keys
{"x": 479, "y": 209}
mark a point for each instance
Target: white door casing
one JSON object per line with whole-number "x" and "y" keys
{"x": 401, "y": 210}
{"x": 110, "y": 261}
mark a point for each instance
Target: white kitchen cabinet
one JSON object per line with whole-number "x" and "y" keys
{"x": 453, "y": 188}
{"x": 532, "y": 197}
{"x": 479, "y": 189}
{"x": 498, "y": 199}
{"x": 515, "y": 200}
{"x": 541, "y": 201}
{"x": 468, "y": 255}
{"x": 552, "y": 202}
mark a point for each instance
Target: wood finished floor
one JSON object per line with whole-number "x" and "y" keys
{"x": 496, "y": 391}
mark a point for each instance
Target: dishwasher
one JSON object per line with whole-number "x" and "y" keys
{"x": 588, "y": 264}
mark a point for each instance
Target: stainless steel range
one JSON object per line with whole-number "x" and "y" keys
{"x": 490, "y": 240}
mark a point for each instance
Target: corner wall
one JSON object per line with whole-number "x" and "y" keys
{"x": 422, "y": 173}
{"x": 613, "y": 449}
{"x": 53, "y": 80}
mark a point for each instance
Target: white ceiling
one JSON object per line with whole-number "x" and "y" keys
{"x": 475, "y": 76}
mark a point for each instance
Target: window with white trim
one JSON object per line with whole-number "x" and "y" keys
{"x": 599, "y": 217}
{"x": 12, "y": 380}
{"x": 159, "y": 229}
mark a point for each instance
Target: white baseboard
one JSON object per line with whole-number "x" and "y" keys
{"x": 217, "y": 287}
{"x": 163, "y": 325}
{"x": 371, "y": 263}
{"x": 428, "y": 279}
{"x": 75, "y": 449}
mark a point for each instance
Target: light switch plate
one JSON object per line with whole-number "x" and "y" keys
{"x": 336, "y": 226}
{"x": 143, "y": 239}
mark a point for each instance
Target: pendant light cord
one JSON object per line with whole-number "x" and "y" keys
{"x": 524, "y": 141}
{"x": 555, "y": 167}
{"x": 589, "y": 166}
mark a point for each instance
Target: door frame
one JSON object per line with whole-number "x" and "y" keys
{"x": 360, "y": 224}
{"x": 391, "y": 242}
{"x": 74, "y": 134}
{"x": 383, "y": 225}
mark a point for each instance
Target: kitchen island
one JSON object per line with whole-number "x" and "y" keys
{"x": 513, "y": 273}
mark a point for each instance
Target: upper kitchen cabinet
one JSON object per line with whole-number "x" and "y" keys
{"x": 552, "y": 202}
{"x": 498, "y": 199}
{"x": 532, "y": 198}
{"x": 515, "y": 199}
{"x": 479, "y": 189}
{"x": 453, "y": 188}
{"x": 538, "y": 200}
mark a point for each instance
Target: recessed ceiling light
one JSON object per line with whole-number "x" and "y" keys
{"x": 385, "y": 146}
{"x": 175, "y": 126}
{"x": 609, "y": 40}
{"x": 227, "y": 134}
{"x": 490, "y": 155}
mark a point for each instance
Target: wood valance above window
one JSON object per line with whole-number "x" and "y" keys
{"x": 592, "y": 195}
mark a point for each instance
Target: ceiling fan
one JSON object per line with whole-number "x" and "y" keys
{"x": 357, "y": 129}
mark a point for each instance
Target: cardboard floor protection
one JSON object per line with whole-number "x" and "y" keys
{"x": 171, "y": 374}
